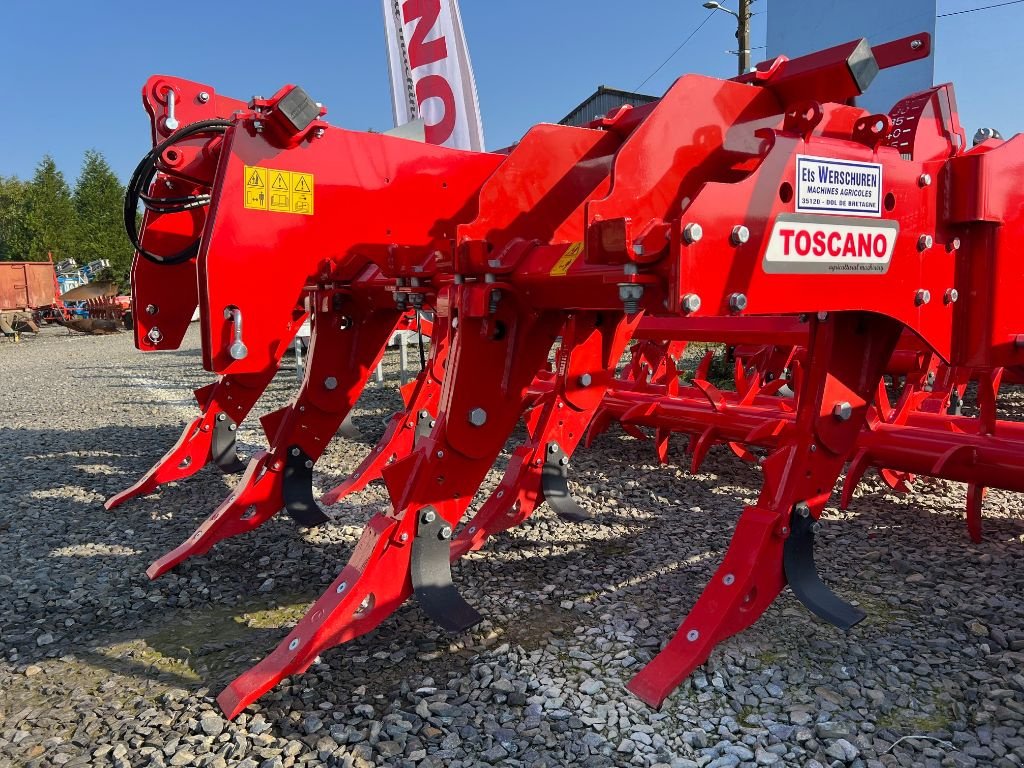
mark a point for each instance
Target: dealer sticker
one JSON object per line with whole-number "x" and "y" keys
{"x": 804, "y": 244}
{"x": 838, "y": 186}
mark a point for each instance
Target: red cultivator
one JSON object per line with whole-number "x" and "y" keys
{"x": 829, "y": 246}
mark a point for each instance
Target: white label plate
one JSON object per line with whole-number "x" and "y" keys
{"x": 837, "y": 187}
{"x": 802, "y": 244}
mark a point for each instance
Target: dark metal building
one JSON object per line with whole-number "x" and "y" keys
{"x": 603, "y": 101}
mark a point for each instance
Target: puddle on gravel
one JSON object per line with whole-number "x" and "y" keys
{"x": 191, "y": 649}
{"x": 204, "y": 646}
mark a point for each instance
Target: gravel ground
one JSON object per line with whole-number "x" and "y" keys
{"x": 98, "y": 666}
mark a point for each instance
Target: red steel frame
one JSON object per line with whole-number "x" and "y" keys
{"x": 588, "y": 235}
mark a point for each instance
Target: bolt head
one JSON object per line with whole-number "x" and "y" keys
{"x": 151, "y": 309}
{"x": 404, "y": 537}
{"x": 341, "y": 587}
{"x": 729, "y": 579}
{"x": 922, "y": 297}
{"x": 692, "y": 233}
{"x": 429, "y": 516}
{"x": 309, "y": 464}
{"x": 803, "y": 510}
{"x": 478, "y": 417}
{"x": 737, "y": 302}
{"x": 691, "y": 302}
{"x": 842, "y": 411}
{"x": 916, "y": 44}
{"x": 740, "y": 235}
{"x": 925, "y": 179}
{"x": 693, "y": 635}
{"x": 238, "y": 351}
{"x": 293, "y": 644}
{"x": 446, "y": 532}
{"x": 155, "y": 335}
{"x": 295, "y": 451}
{"x": 925, "y": 242}
{"x": 330, "y": 383}
{"x": 203, "y": 97}
{"x": 585, "y": 380}
{"x": 950, "y": 296}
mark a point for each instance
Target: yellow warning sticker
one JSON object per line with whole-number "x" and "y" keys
{"x": 255, "y": 188}
{"x": 280, "y": 191}
{"x": 572, "y": 253}
{"x": 269, "y": 189}
{"x": 302, "y": 193}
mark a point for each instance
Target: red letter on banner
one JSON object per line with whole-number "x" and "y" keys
{"x": 436, "y": 87}
{"x": 422, "y": 51}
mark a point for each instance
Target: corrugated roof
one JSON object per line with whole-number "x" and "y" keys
{"x": 601, "y": 102}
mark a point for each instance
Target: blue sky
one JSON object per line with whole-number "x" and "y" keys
{"x": 71, "y": 71}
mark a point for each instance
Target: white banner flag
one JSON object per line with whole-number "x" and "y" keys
{"x": 431, "y": 75}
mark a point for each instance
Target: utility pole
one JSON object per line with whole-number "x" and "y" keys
{"x": 743, "y": 35}
{"x": 742, "y": 30}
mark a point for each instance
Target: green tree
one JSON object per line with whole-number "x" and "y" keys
{"x": 15, "y": 233}
{"x": 50, "y": 213}
{"x": 99, "y": 231}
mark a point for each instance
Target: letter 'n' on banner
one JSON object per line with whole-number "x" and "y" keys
{"x": 431, "y": 74}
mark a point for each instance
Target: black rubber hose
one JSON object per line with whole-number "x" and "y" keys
{"x": 142, "y": 179}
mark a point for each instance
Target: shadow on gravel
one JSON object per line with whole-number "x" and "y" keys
{"x": 213, "y": 618}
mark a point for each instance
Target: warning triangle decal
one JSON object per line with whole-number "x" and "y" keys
{"x": 302, "y": 186}
{"x": 255, "y": 180}
{"x": 280, "y": 183}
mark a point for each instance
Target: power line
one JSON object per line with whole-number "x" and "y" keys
{"x": 982, "y": 8}
{"x": 680, "y": 47}
{"x": 712, "y": 13}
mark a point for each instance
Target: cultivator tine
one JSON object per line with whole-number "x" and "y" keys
{"x": 492, "y": 363}
{"x": 847, "y": 356}
{"x": 406, "y": 428}
{"x": 183, "y": 459}
{"x": 297, "y": 489}
{"x": 341, "y": 356}
{"x": 975, "y": 498}
{"x": 431, "y": 572}
{"x": 589, "y": 350}
{"x": 368, "y": 590}
{"x": 349, "y": 430}
{"x": 223, "y": 450}
{"x": 209, "y": 438}
{"x": 802, "y": 574}
{"x": 554, "y": 483}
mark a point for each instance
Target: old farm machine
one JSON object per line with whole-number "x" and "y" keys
{"x": 829, "y": 246}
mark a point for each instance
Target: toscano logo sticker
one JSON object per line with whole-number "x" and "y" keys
{"x": 801, "y": 244}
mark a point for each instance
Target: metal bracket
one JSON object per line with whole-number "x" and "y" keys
{"x": 297, "y": 489}
{"x": 348, "y": 429}
{"x": 554, "y": 483}
{"x": 802, "y": 574}
{"x": 431, "y": 571}
{"x": 222, "y": 446}
{"x": 424, "y": 424}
